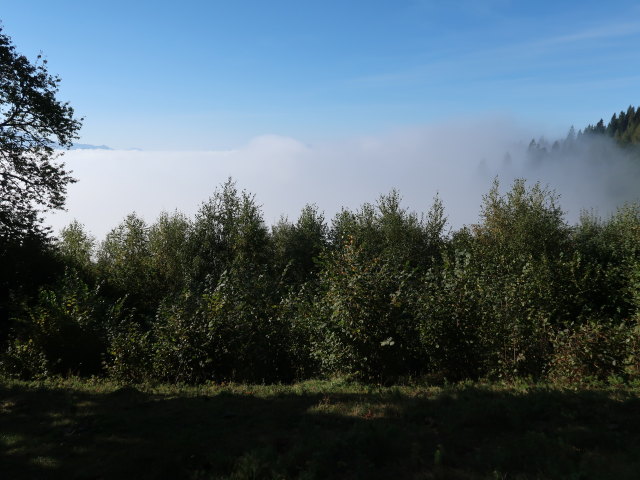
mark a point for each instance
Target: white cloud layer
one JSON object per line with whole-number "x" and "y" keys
{"x": 458, "y": 161}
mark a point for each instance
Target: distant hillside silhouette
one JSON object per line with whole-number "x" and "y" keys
{"x": 86, "y": 146}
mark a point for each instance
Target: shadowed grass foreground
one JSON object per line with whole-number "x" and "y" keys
{"x": 96, "y": 430}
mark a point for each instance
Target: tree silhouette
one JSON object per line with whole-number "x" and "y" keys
{"x": 34, "y": 128}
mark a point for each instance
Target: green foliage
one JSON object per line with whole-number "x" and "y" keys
{"x": 609, "y": 253}
{"x": 298, "y": 246}
{"x": 384, "y": 294}
{"x": 128, "y": 357}
{"x": 366, "y": 325}
{"x": 251, "y": 339}
{"x": 24, "y": 359}
{"x": 448, "y": 319}
{"x": 369, "y": 329}
{"x": 490, "y": 309}
{"x": 181, "y": 348}
{"x": 26, "y": 266}
{"x": 231, "y": 333}
{"x": 519, "y": 252}
{"x": 301, "y": 312}
{"x": 33, "y": 124}
{"x": 228, "y": 230}
{"x": 67, "y": 326}
{"x": 522, "y": 222}
{"x": 124, "y": 263}
{"x": 624, "y": 127}
{"x": 387, "y": 230}
{"x": 77, "y": 247}
{"x": 167, "y": 248}
{"x": 595, "y": 350}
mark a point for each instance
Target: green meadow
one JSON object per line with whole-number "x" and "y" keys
{"x": 96, "y": 429}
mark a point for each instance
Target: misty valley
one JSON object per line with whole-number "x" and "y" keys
{"x": 379, "y": 343}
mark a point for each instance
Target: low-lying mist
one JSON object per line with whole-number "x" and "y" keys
{"x": 457, "y": 161}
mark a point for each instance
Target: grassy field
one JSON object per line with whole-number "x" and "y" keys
{"x": 76, "y": 429}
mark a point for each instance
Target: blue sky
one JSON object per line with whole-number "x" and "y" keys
{"x": 194, "y": 75}
{"x": 331, "y": 102}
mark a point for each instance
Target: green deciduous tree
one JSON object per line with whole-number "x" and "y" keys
{"x": 228, "y": 232}
{"x": 34, "y": 126}
{"x": 77, "y": 247}
{"x": 297, "y": 246}
{"x": 167, "y": 243}
{"x": 124, "y": 262}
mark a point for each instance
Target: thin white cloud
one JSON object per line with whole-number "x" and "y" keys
{"x": 541, "y": 52}
{"x": 613, "y": 30}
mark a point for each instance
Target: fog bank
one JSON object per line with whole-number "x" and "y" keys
{"x": 458, "y": 161}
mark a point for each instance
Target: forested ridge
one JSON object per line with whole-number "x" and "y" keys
{"x": 594, "y": 143}
{"x": 624, "y": 127}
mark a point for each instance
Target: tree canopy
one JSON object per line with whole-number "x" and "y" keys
{"x": 624, "y": 127}
{"x": 34, "y": 127}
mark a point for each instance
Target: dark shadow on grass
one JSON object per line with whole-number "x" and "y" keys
{"x": 467, "y": 432}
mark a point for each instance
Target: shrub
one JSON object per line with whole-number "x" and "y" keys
{"x": 181, "y": 344}
{"x": 231, "y": 333}
{"x": 24, "y": 359}
{"x": 300, "y": 314}
{"x": 595, "y": 350}
{"x": 448, "y": 319}
{"x": 68, "y": 326}
{"x": 129, "y": 354}
{"x": 124, "y": 264}
{"x": 369, "y": 329}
